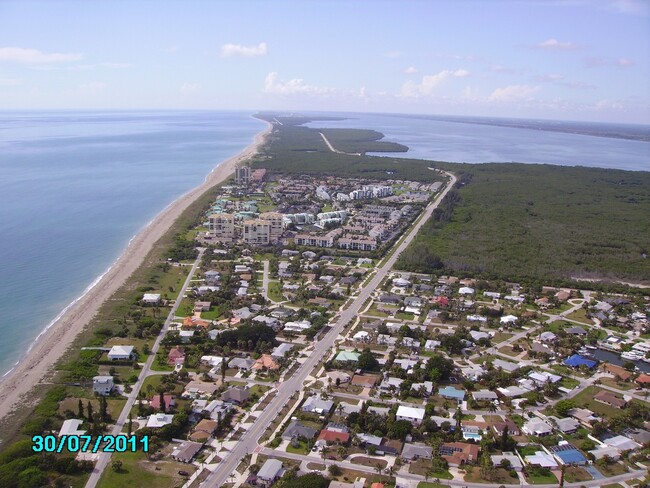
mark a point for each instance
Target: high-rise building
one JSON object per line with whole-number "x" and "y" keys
{"x": 222, "y": 226}
{"x": 257, "y": 232}
{"x": 243, "y": 175}
{"x": 276, "y": 222}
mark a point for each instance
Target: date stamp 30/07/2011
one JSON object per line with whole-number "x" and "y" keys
{"x": 89, "y": 443}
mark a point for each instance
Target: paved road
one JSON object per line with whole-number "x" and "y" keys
{"x": 265, "y": 280}
{"x": 104, "y": 458}
{"x": 248, "y": 441}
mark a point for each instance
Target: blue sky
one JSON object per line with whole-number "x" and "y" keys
{"x": 553, "y": 59}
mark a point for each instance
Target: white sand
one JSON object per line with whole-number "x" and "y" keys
{"x": 51, "y": 345}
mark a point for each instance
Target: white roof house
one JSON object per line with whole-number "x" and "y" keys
{"x": 158, "y": 420}
{"x": 151, "y": 298}
{"x": 415, "y": 415}
{"x": 537, "y": 427}
{"x": 120, "y": 353}
{"x": 466, "y": 290}
{"x": 622, "y": 443}
{"x": 270, "y": 470}
{"x": 542, "y": 459}
{"x": 282, "y": 350}
{"x": 213, "y": 361}
{"x": 71, "y": 427}
{"x": 505, "y": 365}
{"x": 508, "y": 319}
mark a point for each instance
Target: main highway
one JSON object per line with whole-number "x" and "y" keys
{"x": 249, "y": 441}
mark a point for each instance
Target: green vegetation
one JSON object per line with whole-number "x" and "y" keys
{"x": 538, "y": 222}
{"x": 360, "y": 141}
{"x": 292, "y": 149}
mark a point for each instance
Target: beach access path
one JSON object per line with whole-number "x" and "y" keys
{"x": 54, "y": 342}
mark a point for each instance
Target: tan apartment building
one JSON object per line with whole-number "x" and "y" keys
{"x": 276, "y": 223}
{"x": 222, "y": 226}
{"x": 257, "y": 232}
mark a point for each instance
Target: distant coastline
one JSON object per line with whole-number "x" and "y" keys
{"x": 53, "y": 342}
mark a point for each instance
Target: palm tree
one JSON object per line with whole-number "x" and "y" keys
{"x": 379, "y": 469}
{"x": 492, "y": 407}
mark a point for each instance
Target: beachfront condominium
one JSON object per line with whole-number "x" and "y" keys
{"x": 242, "y": 175}
{"x": 276, "y": 223}
{"x": 222, "y": 226}
{"x": 257, "y": 232}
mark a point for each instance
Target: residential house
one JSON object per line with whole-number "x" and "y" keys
{"x": 412, "y": 414}
{"x": 297, "y": 430}
{"x": 103, "y": 385}
{"x": 70, "y": 427}
{"x": 609, "y": 398}
{"x": 242, "y": 364}
{"x": 416, "y": 450}
{"x": 121, "y": 353}
{"x": 537, "y": 427}
{"x": 203, "y": 430}
{"x": 282, "y": 350}
{"x": 270, "y": 471}
{"x": 175, "y": 356}
{"x": 314, "y": 404}
{"x": 186, "y": 451}
{"x": 452, "y": 393}
{"x": 158, "y": 420}
{"x": 169, "y": 400}
{"x": 459, "y": 453}
{"x": 512, "y": 458}
{"x": 484, "y": 395}
{"x": 265, "y": 361}
{"x": 237, "y": 394}
{"x": 566, "y": 425}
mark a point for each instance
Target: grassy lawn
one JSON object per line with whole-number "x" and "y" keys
{"x": 404, "y": 316}
{"x": 542, "y": 480}
{"x": 616, "y": 384}
{"x": 500, "y": 337}
{"x": 500, "y": 477}
{"x": 301, "y": 449}
{"x": 275, "y": 291}
{"x": 508, "y": 351}
{"x": 185, "y": 309}
{"x": 581, "y": 316}
{"x": 528, "y": 450}
{"x": 612, "y": 469}
{"x": 586, "y": 399}
{"x": 575, "y": 474}
{"x": 138, "y": 471}
{"x": 427, "y": 484}
{"x": 569, "y": 383}
{"x": 169, "y": 283}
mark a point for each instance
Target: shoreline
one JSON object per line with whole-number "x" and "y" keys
{"x": 55, "y": 339}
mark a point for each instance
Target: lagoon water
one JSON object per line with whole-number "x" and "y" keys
{"x": 76, "y": 186}
{"x": 461, "y": 141}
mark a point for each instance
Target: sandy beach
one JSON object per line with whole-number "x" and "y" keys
{"x": 57, "y": 339}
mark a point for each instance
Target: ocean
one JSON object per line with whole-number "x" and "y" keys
{"x": 75, "y": 187}
{"x": 479, "y": 140}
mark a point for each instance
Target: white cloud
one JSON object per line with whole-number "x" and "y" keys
{"x": 392, "y": 54}
{"x": 188, "y": 88}
{"x": 549, "y": 78}
{"x": 499, "y": 68}
{"x": 512, "y": 93}
{"x": 624, "y": 62}
{"x": 34, "y": 56}
{"x": 294, "y": 86}
{"x": 430, "y": 82}
{"x": 228, "y": 50}
{"x": 90, "y": 67}
{"x": 579, "y": 85}
{"x": 10, "y": 81}
{"x": 555, "y": 45}
{"x": 411, "y": 70}
{"x": 92, "y": 88}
